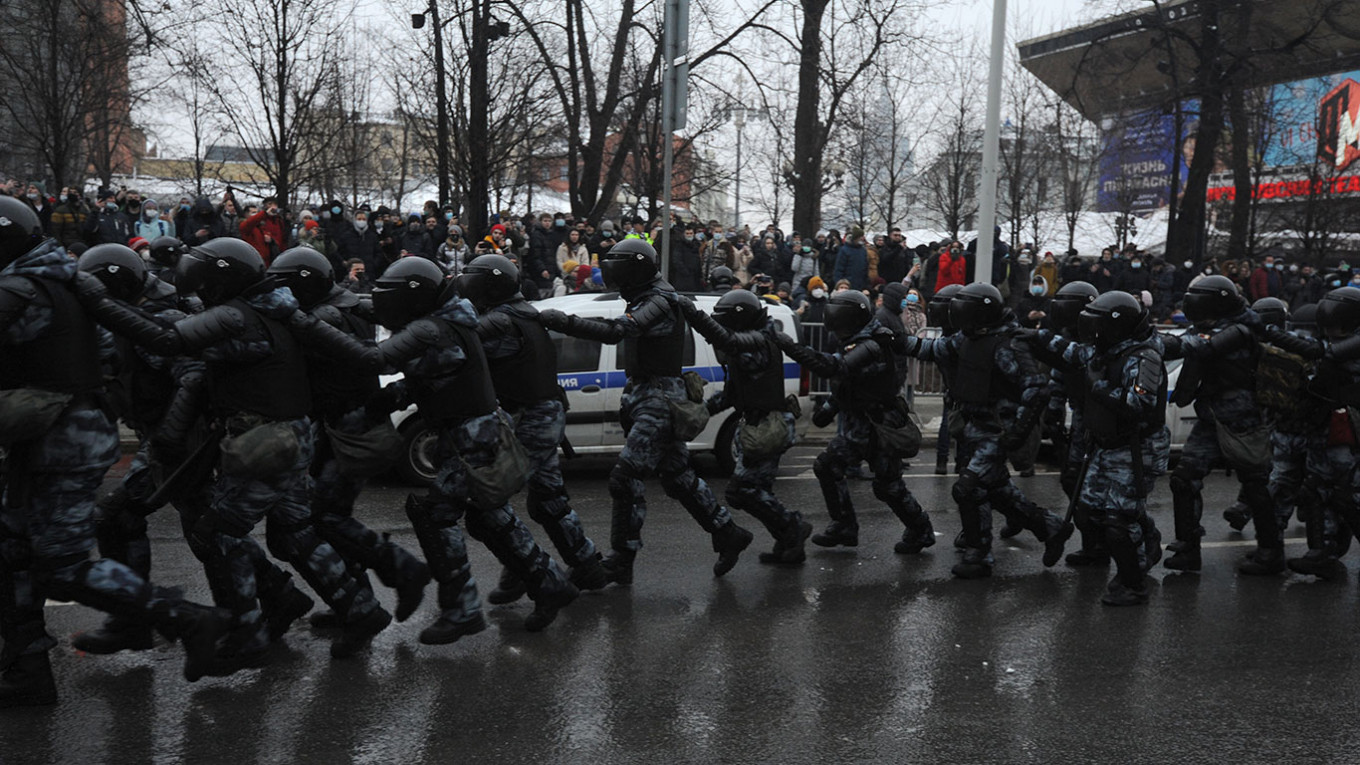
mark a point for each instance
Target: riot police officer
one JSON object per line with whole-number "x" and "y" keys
{"x": 937, "y": 314}
{"x": 338, "y": 393}
{"x": 258, "y": 398}
{"x": 865, "y": 391}
{"x": 435, "y": 345}
{"x": 1219, "y": 376}
{"x": 652, "y": 338}
{"x": 523, "y": 364}
{"x": 745, "y": 339}
{"x": 60, "y": 443}
{"x": 1119, "y": 362}
{"x": 147, "y": 384}
{"x": 1000, "y": 397}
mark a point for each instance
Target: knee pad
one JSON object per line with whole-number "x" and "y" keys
{"x": 622, "y": 479}
{"x": 679, "y": 485}
{"x": 286, "y": 541}
{"x": 889, "y": 491}
{"x": 827, "y": 468}
{"x": 546, "y": 508}
{"x": 968, "y": 488}
{"x": 739, "y": 493}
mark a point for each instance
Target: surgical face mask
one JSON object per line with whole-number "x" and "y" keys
{"x": 335, "y": 210}
{"x": 818, "y": 293}
{"x": 448, "y": 216}
{"x": 1279, "y": 266}
{"x": 32, "y": 195}
{"x": 378, "y": 226}
{"x": 807, "y": 249}
{"x": 111, "y": 206}
{"x": 1189, "y": 264}
{"x": 689, "y": 237}
{"x": 1135, "y": 264}
{"x": 1037, "y": 289}
{"x": 1293, "y": 269}
{"x": 361, "y": 224}
{"x": 184, "y": 206}
{"x": 699, "y": 236}
{"x": 559, "y": 223}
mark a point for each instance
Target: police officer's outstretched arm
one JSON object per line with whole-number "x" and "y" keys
{"x": 186, "y": 336}
{"x": 721, "y": 337}
{"x": 654, "y": 310}
{"x": 1307, "y": 347}
{"x": 323, "y": 338}
{"x": 819, "y": 362}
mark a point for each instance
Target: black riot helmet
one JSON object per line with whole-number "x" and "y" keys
{"x": 1213, "y": 297}
{"x": 20, "y": 230}
{"x": 978, "y": 306}
{"x": 489, "y": 280}
{"x": 1304, "y": 320}
{"x": 1273, "y": 311}
{"x": 1068, "y": 303}
{"x": 937, "y": 312}
{"x": 1338, "y": 313}
{"x": 409, "y": 289}
{"x": 122, "y": 271}
{"x": 847, "y": 312}
{"x": 166, "y": 251}
{"x": 721, "y": 278}
{"x": 629, "y": 264}
{"x": 306, "y": 272}
{"x": 219, "y": 270}
{"x": 740, "y": 309}
{"x": 1111, "y": 319}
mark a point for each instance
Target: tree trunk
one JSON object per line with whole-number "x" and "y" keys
{"x": 807, "y": 129}
{"x": 1240, "y": 225}
{"x": 479, "y": 173}
{"x": 1184, "y": 236}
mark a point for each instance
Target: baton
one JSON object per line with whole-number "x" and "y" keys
{"x": 187, "y": 467}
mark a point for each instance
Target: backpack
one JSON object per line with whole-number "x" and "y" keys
{"x": 1280, "y": 380}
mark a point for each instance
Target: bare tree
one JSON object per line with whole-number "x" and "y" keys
{"x": 950, "y": 181}
{"x": 1077, "y": 153}
{"x": 268, "y": 78}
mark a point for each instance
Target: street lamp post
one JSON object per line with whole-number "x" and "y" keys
{"x": 739, "y": 119}
{"x": 441, "y": 131}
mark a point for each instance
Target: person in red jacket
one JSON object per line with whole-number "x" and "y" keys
{"x": 265, "y": 230}
{"x": 953, "y": 268}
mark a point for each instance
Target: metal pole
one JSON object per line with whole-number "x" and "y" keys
{"x": 441, "y": 107}
{"x": 991, "y": 146}
{"x": 741, "y": 123}
{"x": 668, "y": 153}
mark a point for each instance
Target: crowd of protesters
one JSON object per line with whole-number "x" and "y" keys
{"x": 559, "y": 254}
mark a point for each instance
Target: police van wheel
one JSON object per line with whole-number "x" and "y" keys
{"x": 417, "y": 465}
{"x": 724, "y": 447}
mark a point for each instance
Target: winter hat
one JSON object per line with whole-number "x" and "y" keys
{"x": 137, "y": 243}
{"x": 310, "y": 225}
{"x": 498, "y": 227}
{"x": 569, "y": 266}
{"x": 816, "y": 282}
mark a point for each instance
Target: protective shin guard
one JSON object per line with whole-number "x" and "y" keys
{"x": 1127, "y": 588}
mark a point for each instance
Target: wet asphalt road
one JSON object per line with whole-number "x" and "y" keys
{"x": 860, "y": 656}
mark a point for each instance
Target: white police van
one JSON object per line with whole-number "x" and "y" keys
{"x": 593, "y": 377}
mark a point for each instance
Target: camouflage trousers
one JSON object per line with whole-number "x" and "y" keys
{"x": 1200, "y": 454}
{"x": 47, "y": 529}
{"x": 334, "y": 491}
{"x": 473, "y": 442}
{"x": 233, "y": 560}
{"x": 540, "y": 428}
{"x": 1111, "y": 494}
{"x": 752, "y": 485}
{"x": 1294, "y": 456}
{"x": 985, "y": 485}
{"x": 651, "y": 449}
{"x": 1329, "y": 498}
{"x": 855, "y": 442}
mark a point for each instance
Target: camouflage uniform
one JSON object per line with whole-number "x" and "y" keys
{"x": 47, "y": 526}
{"x": 1015, "y": 398}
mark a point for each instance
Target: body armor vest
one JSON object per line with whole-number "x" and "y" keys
{"x": 761, "y": 390}
{"x": 274, "y": 387}
{"x": 1110, "y": 427}
{"x": 336, "y": 387}
{"x": 529, "y": 375}
{"x": 466, "y": 392}
{"x": 652, "y": 356}
{"x": 65, "y": 357}
{"x": 975, "y": 380}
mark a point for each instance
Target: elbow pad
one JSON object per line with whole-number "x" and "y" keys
{"x": 410, "y": 342}
{"x": 210, "y": 327}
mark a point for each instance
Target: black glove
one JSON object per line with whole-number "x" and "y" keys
{"x": 382, "y": 401}
{"x": 554, "y": 319}
{"x": 825, "y": 415}
{"x": 713, "y": 405}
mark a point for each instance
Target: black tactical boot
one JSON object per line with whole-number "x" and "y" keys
{"x": 589, "y": 574}
{"x": 1237, "y": 516}
{"x": 728, "y": 542}
{"x": 326, "y": 620}
{"x": 547, "y": 602}
{"x": 28, "y": 682}
{"x": 445, "y": 631}
{"x": 1057, "y": 538}
{"x": 1128, "y": 587}
{"x": 293, "y": 605}
{"x": 1187, "y": 558}
{"x": 1319, "y": 564}
{"x": 837, "y": 534}
{"x": 1152, "y": 543}
{"x": 916, "y": 538}
{"x": 509, "y": 589}
{"x": 406, "y": 574}
{"x": 358, "y": 634}
{"x": 788, "y": 550}
{"x": 1265, "y": 561}
{"x": 200, "y": 628}
{"x": 976, "y": 564}
{"x": 115, "y": 635}
{"x": 960, "y": 541}
{"x": 618, "y": 567}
